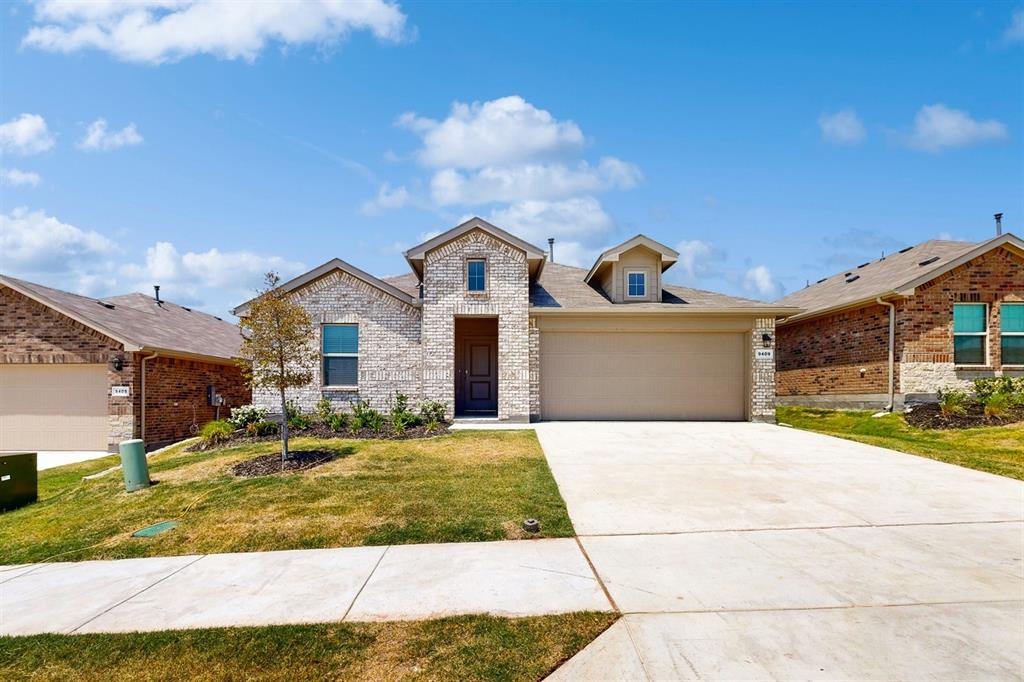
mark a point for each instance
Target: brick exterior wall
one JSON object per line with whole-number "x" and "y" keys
{"x": 825, "y": 356}
{"x": 390, "y": 354}
{"x": 535, "y": 414}
{"x": 506, "y": 297}
{"x": 762, "y": 374}
{"x": 175, "y": 386}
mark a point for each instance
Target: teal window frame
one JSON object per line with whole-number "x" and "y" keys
{"x": 641, "y": 285}
{"x": 339, "y": 348}
{"x": 476, "y": 281}
{"x": 971, "y": 333}
{"x": 1011, "y": 328}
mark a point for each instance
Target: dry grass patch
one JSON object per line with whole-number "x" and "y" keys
{"x": 465, "y": 486}
{"x": 465, "y": 648}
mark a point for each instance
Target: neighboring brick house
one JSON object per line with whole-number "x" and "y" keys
{"x": 488, "y": 326}
{"x": 79, "y": 373}
{"x": 957, "y": 314}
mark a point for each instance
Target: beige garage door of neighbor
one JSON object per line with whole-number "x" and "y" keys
{"x": 643, "y": 375}
{"x": 53, "y": 407}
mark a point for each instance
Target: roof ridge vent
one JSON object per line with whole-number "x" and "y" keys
{"x": 863, "y": 265}
{"x": 108, "y": 306}
{"x": 905, "y": 250}
{"x": 821, "y": 280}
{"x": 854, "y": 278}
{"x": 929, "y": 261}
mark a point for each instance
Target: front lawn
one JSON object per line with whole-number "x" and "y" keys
{"x": 464, "y": 648}
{"x": 995, "y": 449}
{"x": 464, "y": 486}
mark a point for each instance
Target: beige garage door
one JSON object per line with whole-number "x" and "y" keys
{"x": 643, "y": 375}
{"x": 53, "y": 407}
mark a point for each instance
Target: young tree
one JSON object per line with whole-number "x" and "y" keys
{"x": 277, "y": 349}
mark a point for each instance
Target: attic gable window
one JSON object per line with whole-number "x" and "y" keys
{"x": 970, "y": 333}
{"x": 1011, "y": 327}
{"x": 636, "y": 283}
{"x": 476, "y": 274}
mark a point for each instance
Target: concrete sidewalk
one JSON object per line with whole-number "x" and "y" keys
{"x": 515, "y": 578}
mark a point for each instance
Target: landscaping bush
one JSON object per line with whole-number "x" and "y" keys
{"x": 401, "y": 416}
{"x": 432, "y": 425}
{"x": 299, "y": 422}
{"x": 953, "y": 402}
{"x": 262, "y": 428}
{"x": 338, "y": 421}
{"x": 998, "y": 405}
{"x": 362, "y": 414}
{"x": 324, "y": 410}
{"x": 216, "y": 432}
{"x": 244, "y": 415}
{"x": 291, "y": 410}
{"x": 432, "y": 411}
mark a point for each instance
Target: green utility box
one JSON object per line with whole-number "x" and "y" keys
{"x": 19, "y": 480}
{"x": 134, "y": 465}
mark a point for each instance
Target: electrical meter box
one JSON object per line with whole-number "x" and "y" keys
{"x": 19, "y": 481}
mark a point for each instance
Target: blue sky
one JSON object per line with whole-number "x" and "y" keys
{"x": 196, "y": 144}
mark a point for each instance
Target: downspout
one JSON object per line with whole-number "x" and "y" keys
{"x": 892, "y": 352}
{"x": 143, "y": 397}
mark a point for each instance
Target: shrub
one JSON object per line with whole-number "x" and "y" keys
{"x": 244, "y": 415}
{"x": 216, "y": 432}
{"x": 432, "y": 411}
{"x": 299, "y": 422}
{"x": 337, "y": 421}
{"x": 375, "y": 422}
{"x": 401, "y": 416}
{"x": 262, "y": 428}
{"x": 291, "y": 410}
{"x": 953, "y": 402}
{"x": 998, "y": 405}
{"x": 361, "y": 414}
{"x": 432, "y": 425}
{"x": 324, "y": 410}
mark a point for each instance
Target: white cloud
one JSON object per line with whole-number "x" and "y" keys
{"x": 936, "y": 127}
{"x": 696, "y": 260}
{"x": 842, "y": 127}
{"x": 759, "y": 279}
{"x": 504, "y": 131}
{"x": 1014, "y": 33}
{"x": 26, "y": 134}
{"x": 156, "y": 31}
{"x": 534, "y": 220}
{"x": 532, "y": 181}
{"x": 387, "y": 198}
{"x": 34, "y": 242}
{"x": 98, "y": 138}
{"x": 16, "y": 177}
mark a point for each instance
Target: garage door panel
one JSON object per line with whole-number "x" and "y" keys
{"x": 643, "y": 375}
{"x": 53, "y": 407}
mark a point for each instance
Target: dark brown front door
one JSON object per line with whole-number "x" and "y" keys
{"x": 480, "y": 374}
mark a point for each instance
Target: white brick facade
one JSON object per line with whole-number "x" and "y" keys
{"x": 762, "y": 381}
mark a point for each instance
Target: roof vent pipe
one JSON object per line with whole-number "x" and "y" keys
{"x": 999, "y": 224}
{"x": 551, "y": 249}
{"x": 156, "y": 293}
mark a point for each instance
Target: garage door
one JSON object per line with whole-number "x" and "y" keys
{"x": 53, "y": 407}
{"x": 643, "y": 375}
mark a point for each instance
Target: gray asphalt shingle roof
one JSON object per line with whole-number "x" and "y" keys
{"x": 138, "y": 320}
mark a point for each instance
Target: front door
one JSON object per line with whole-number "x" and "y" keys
{"x": 480, "y": 374}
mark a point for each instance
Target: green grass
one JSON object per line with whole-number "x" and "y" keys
{"x": 465, "y": 648}
{"x": 465, "y": 486}
{"x": 995, "y": 449}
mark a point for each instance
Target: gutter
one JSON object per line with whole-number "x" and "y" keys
{"x": 892, "y": 352}
{"x": 669, "y": 309}
{"x": 148, "y": 357}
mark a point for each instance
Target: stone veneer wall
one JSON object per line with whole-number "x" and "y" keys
{"x": 507, "y": 298}
{"x": 389, "y": 344}
{"x": 534, "y": 370}
{"x": 762, "y": 381}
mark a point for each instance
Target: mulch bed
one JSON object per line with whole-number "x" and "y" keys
{"x": 929, "y": 416}
{"x": 265, "y": 465}
{"x": 321, "y": 431}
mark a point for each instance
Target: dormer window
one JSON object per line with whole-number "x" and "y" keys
{"x": 476, "y": 274}
{"x": 636, "y": 284}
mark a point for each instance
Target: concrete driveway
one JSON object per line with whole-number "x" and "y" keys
{"x": 750, "y": 551}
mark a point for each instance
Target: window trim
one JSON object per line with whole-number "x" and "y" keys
{"x": 324, "y": 356}
{"x": 642, "y": 273}
{"x": 477, "y": 259}
{"x": 1004, "y": 334}
{"x": 985, "y": 335}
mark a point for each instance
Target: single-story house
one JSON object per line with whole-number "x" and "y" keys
{"x": 80, "y": 373}
{"x": 900, "y": 328}
{"x": 486, "y": 324}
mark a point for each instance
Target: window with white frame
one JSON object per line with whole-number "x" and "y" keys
{"x": 340, "y": 351}
{"x": 970, "y": 333}
{"x": 636, "y": 284}
{"x": 476, "y": 274}
{"x": 1011, "y": 332}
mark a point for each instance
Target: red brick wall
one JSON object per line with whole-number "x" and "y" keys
{"x": 174, "y": 386}
{"x": 926, "y": 319}
{"x": 31, "y": 332}
{"x": 825, "y": 355}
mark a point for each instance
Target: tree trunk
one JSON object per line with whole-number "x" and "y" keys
{"x": 284, "y": 430}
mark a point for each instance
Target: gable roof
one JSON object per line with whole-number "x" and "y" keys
{"x": 668, "y": 256}
{"x": 535, "y": 256}
{"x": 326, "y": 269}
{"x": 562, "y": 289}
{"x": 140, "y": 324}
{"x": 893, "y": 275}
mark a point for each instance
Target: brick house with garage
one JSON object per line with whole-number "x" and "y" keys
{"x": 487, "y": 324}
{"x": 900, "y": 328}
{"x": 80, "y": 373}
